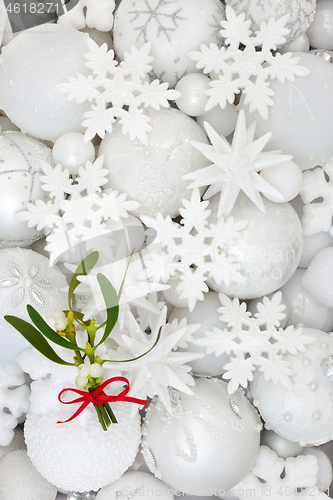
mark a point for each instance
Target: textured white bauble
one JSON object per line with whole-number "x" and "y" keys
{"x": 320, "y": 31}
{"x": 269, "y": 250}
{"x": 173, "y": 28}
{"x": 286, "y": 178}
{"x": 312, "y": 245}
{"x": 209, "y": 442}
{"x": 300, "y": 12}
{"x": 302, "y": 414}
{"x": 72, "y": 151}
{"x": 301, "y": 44}
{"x": 223, "y": 121}
{"x": 283, "y": 447}
{"x": 153, "y": 174}
{"x": 325, "y": 475}
{"x": 31, "y": 66}
{"x": 193, "y": 98}
{"x": 205, "y": 313}
{"x": 20, "y": 172}
{"x": 79, "y": 455}
{"x": 300, "y": 118}
{"x": 135, "y": 484}
{"x": 26, "y": 278}
{"x": 318, "y": 278}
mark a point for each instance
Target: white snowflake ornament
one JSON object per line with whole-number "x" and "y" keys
{"x": 236, "y": 167}
{"x": 256, "y": 341}
{"x": 96, "y": 14}
{"x": 194, "y": 249}
{"x": 118, "y": 92}
{"x": 247, "y": 70}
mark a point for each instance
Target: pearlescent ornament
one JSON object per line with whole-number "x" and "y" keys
{"x": 318, "y": 278}
{"x": 26, "y": 278}
{"x": 135, "y": 484}
{"x": 269, "y": 250}
{"x": 173, "y": 28}
{"x": 301, "y": 44}
{"x": 312, "y": 245}
{"x": 20, "y": 172}
{"x": 325, "y": 475}
{"x": 72, "y": 151}
{"x": 280, "y": 445}
{"x": 193, "y": 97}
{"x": 31, "y": 66}
{"x": 152, "y": 174}
{"x": 302, "y": 414}
{"x": 320, "y": 31}
{"x": 210, "y": 441}
{"x": 286, "y": 178}
{"x": 223, "y": 121}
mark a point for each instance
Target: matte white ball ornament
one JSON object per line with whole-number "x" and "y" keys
{"x": 193, "y": 97}
{"x": 283, "y": 447}
{"x": 319, "y": 275}
{"x": 312, "y": 245}
{"x": 223, "y": 121}
{"x": 135, "y": 484}
{"x": 286, "y": 178}
{"x": 210, "y": 441}
{"x": 320, "y": 31}
{"x": 301, "y": 44}
{"x": 31, "y": 66}
{"x": 325, "y": 475}
{"x": 72, "y": 151}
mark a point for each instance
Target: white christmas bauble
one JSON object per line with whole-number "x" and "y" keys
{"x": 300, "y": 118}
{"x": 312, "y": 245}
{"x": 302, "y": 414}
{"x": 193, "y": 98}
{"x": 20, "y": 172}
{"x": 301, "y": 44}
{"x": 209, "y": 442}
{"x": 269, "y": 250}
{"x": 72, "y": 151}
{"x": 286, "y": 178}
{"x": 223, "y": 121}
{"x": 152, "y": 175}
{"x": 26, "y": 278}
{"x": 205, "y": 313}
{"x": 171, "y": 295}
{"x": 173, "y": 28}
{"x": 325, "y": 475}
{"x": 280, "y": 445}
{"x": 31, "y": 66}
{"x": 320, "y": 31}
{"x": 135, "y": 484}
{"x": 300, "y": 12}
{"x": 319, "y": 275}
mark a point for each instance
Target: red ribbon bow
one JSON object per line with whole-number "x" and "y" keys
{"x": 98, "y": 397}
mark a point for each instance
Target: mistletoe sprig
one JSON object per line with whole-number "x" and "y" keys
{"x": 89, "y": 377}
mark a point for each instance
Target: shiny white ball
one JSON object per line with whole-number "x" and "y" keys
{"x": 193, "y": 98}
{"x": 320, "y": 31}
{"x": 171, "y": 295}
{"x": 72, "y": 151}
{"x": 31, "y": 66}
{"x": 223, "y": 121}
{"x": 318, "y": 278}
{"x": 280, "y": 445}
{"x": 301, "y": 44}
{"x": 325, "y": 475}
{"x": 138, "y": 484}
{"x": 312, "y": 245}
{"x": 286, "y": 178}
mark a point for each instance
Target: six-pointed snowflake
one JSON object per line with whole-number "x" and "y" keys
{"x": 242, "y": 67}
{"x": 255, "y": 342}
{"x": 195, "y": 250}
{"x": 118, "y": 92}
{"x": 96, "y": 14}
{"x": 317, "y": 195}
{"x": 235, "y": 167}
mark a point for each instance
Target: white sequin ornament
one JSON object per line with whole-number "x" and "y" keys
{"x": 303, "y": 414}
{"x": 173, "y": 27}
{"x": 31, "y": 66}
{"x": 152, "y": 175}
{"x": 20, "y": 172}
{"x": 209, "y": 442}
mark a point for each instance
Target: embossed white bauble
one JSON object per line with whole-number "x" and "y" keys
{"x": 300, "y": 12}
{"x": 26, "y": 278}
{"x": 318, "y": 276}
{"x": 20, "y": 172}
{"x": 283, "y": 447}
{"x": 209, "y": 442}
{"x": 31, "y": 66}
{"x": 152, "y": 175}
{"x": 302, "y": 414}
{"x": 205, "y": 313}
{"x": 269, "y": 250}
{"x": 320, "y": 31}
{"x": 300, "y": 118}
{"x": 173, "y": 28}
{"x": 72, "y": 151}
{"x": 193, "y": 98}
{"x": 223, "y": 121}
{"x": 135, "y": 484}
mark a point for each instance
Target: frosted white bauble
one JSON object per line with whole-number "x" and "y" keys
{"x": 300, "y": 117}
{"x": 269, "y": 250}
{"x": 79, "y": 455}
{"x": 286, "y": 178}
{"x": 26, "y": 278}
{"x": 300, "y": 13}
{"x": 173, "y": 28}
{"x": 320, "y": 31}
{"x": 153, "y": 174}
{"x": 303, "y": 307}
{"x": 312, "y": 245}
{"x": 31, "y": 66}
{"x": 318, "y": 278}
{"x": 210, "y": 441}
{"x": 20, "y": 172}
{"x": 223, "y": 121}
{"x": 6, "y": 125}
{"x": 205, "y": 313}
{"x": 325, "y": 475}
{"x": 135, "y": 484}
{"x": 280, "y": 445}
{"x": 302, "y": 414}
{"x": 193, "y": 98}
{"x": 72, "y": 151}
{"x": 301, "y": 44}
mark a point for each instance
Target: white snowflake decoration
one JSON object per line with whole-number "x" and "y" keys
{"x": 14, "y": 400}
{"x": 255, "y": 341}
{"x": 112, "y": 87}
{"x": 273, "y": 477}
{"x": 250, "y": 70}
{"x": 194, "y": 249}
{"x": 78, "y": 209}
{"x": 317, "y": 215}
{"x": 236, "y": 167}
{"x": 96, "y": 14}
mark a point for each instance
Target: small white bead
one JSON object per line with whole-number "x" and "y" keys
{"x": 81, "y": 381}
{"x": 96, "y": 370}
{"x": 83, "y": 370}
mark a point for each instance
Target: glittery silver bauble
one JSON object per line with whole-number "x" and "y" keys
{"x": 301, "y": 13}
